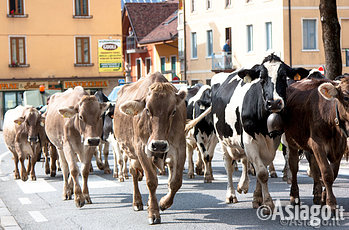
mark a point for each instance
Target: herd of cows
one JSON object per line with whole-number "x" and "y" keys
{"x": 153, "y": 125}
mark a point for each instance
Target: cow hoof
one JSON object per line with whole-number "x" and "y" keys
{"x": 53, "y": 174}
{"x": 154, "y": 220}
{"x": 256, "y": 204}
{"x": 240, "y": 190}
{"x": 126, "y": 176}
{"x": 207, "y": 180}
{"x": 284, "y": 178}
{"x": 121, "y": 179}
{"x": 88, "y": 199}
{"x": 67, "y": 197}
{"x": 24, "y": 178}
{"x": 107, "y": 171}
{"x": 199, "y": 171}
{"x": 191, "y": 175}
{"x": 140, "y": 178}
{"x": 79, "y": 203}
{"x": 273, "y": 175}
{"x": 294, "y": 200}
{"x": 116, "y": 175}
{"x": 47, "y": 171}
{"x": 231, "y": 200}
{"x": 137, "y": 207}
{"x": 17, "y": 177}
{"x": 100, "y": 166}
{"x": 33, "y": 178}
{"x": 91, "y": 169}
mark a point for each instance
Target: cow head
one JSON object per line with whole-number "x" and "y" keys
{"x": 31, "y": 120}
{"x": 87, "y": 118}
{"x": 273, "y": 75}
{"x": 339, "y": 92}
{"x": 159, "y": 110}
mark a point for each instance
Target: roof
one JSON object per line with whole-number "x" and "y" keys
{"x": 167, "y": 30}
{"x": 139, "y": 1}
{"x": 145, "y": 17}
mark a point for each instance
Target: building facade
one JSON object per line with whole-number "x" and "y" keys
{"x": 254, "y": 28}
{"x": 59, "y": 44}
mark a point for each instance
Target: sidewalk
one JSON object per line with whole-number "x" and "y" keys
{"x": 7, "y": 221}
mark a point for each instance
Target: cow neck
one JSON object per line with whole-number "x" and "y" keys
{"x": 339, "y": 122}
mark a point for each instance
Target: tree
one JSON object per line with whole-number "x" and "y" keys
{"x": 331, "y": 38}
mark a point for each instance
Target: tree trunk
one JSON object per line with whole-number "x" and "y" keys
{"x": 331, "y": 38}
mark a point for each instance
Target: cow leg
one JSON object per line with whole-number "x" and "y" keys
{"x": 124, "y": 167}
{"x": 152, "y": 184}
{"x": 98, "y": 155}
{"x": 190, "y": 151}
{"x": 228, "y": 164}
{"x": 272, "y": 171}
{"x": 287, "y": 171}
{"x": 15, "y": 159}
{"x": 135, "y": 169}
{"x": 85, "y": 169}
{"x": 199, "y": 166}
{"x": 67, "y": 190}
{"x": 24, "y": 174}
{"x": 244, "y": 179}
{"x": 116, "y": 154}
{"x": 262, "y": 177}
{"x": 107, "y": 169}
{"x": 53, "y": 156}
{"x": 317, "y": 188}
{"x": 175, "y": 164}
{"x": 257, "y": 195}
{"x": 293, "y": 162}
{"x": 45, "y": 151}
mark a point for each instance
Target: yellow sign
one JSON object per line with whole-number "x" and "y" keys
{"x": 9, "y": 86}
{"x": 109, "y": 55}
{"x": 86, "y": 84}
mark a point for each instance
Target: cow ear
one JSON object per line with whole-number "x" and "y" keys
{"x": 180, "y": 96}
{"x": 328, "y": 91}
{"x": 68, "y": 112}
{"x": 298, "y": 74}
{"x": 249, "y": 75}
{"x": 132, "y": 108}
{"x": 104, "y": 106}
{"x": 19, "y": 120}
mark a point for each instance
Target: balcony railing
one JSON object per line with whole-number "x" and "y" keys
{"x": 222, "y": 62}
{"x": 132, "y": 47}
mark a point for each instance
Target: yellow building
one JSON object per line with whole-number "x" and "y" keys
{"x": 56, "y": 44}
{"x": 255, "y": 29}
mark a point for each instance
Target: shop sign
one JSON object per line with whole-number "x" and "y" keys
{"x": 109, "y": 55}
{"x": 86, "y": 84}
{"x": 13, "y": 86}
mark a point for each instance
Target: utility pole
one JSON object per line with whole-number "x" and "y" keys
{"x": 185, "y": 42}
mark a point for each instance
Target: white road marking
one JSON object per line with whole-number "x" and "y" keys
{"x": 38, "y": 186}
{"x": 4, "y": 155}
{"x": 24, "y": 200}
{"x": 5, "y": 178}
{"x": 99, "y": 182}
{"x": 37, "y": 216}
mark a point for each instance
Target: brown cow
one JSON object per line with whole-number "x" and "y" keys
{"x": 149, "y": 122}
{"x": 22, "y": 127}
{"x": 316, "y": 120}
{"x": 74, "y": 126}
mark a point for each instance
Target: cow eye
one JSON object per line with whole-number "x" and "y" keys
{"x": 173, "y": 113}
{"x": 148, "y": 112}
{"x": 346, "y": 99}
{"x": 80, "y": 117}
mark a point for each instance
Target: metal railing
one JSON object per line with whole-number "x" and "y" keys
{"x": 131, "y": 45}
{"x": 222, "y": 61}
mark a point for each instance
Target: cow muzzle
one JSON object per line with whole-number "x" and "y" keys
{"x": 158, "y": 146}
{"x": 275, "y": 105}
{"x": 33, "y": 139}
{"x": 92, "y": 141}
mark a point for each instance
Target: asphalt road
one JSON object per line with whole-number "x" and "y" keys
{"x": 39, "y": 205}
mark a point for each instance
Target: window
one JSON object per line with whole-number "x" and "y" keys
{"x": 12, "y": 100}
{"x": 268, "y": 32}
{"x": 81, "y": 7}
{"x": 192, "y": 5}
{"x": 162, "y": 64}
{"x": 194, "y": 53}
{"x": 249, "y": 38}
{"x": 82, "y": 50}
{"x": 227, "y": 3}
{"x": 173, "y": 66}
{"x": 208, "y": 4}
{"x": 139, "y": 68}
{"x": 148, "y": 65}
{"x": 309, "y": 34}
{"x": 209, "y": 43}
{"x": 17, "y": 51}
{"x": 16, "y": 7}
{"x": 228, "y": 33}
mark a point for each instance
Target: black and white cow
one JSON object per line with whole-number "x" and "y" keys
{"x": 202, "y": 135}
{"x": 108, "y": 139}
{"x": 241, "y": 105}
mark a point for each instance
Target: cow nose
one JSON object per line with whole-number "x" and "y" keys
{"x": 274, "y": 105}
{"x": 93, "y": 141}
{"x": 33, "y": 139}
{"x": 159, "y": 146}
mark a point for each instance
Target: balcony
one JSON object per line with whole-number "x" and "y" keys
{"x": 222, "y": 62}
{"x": 132, "y": 47}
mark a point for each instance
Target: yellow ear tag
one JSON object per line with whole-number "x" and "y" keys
{"x": 19, "y": 122}
{"x": 325, "y": 92}
{"x": 65, "y": 116}
{"x": 297, "y": 77}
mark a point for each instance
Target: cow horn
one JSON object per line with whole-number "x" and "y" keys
{"x": 192, "y": 123}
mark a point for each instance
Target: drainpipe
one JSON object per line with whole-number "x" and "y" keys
{"x": 289, "y": 31}
{"x": 185, "y": 42}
